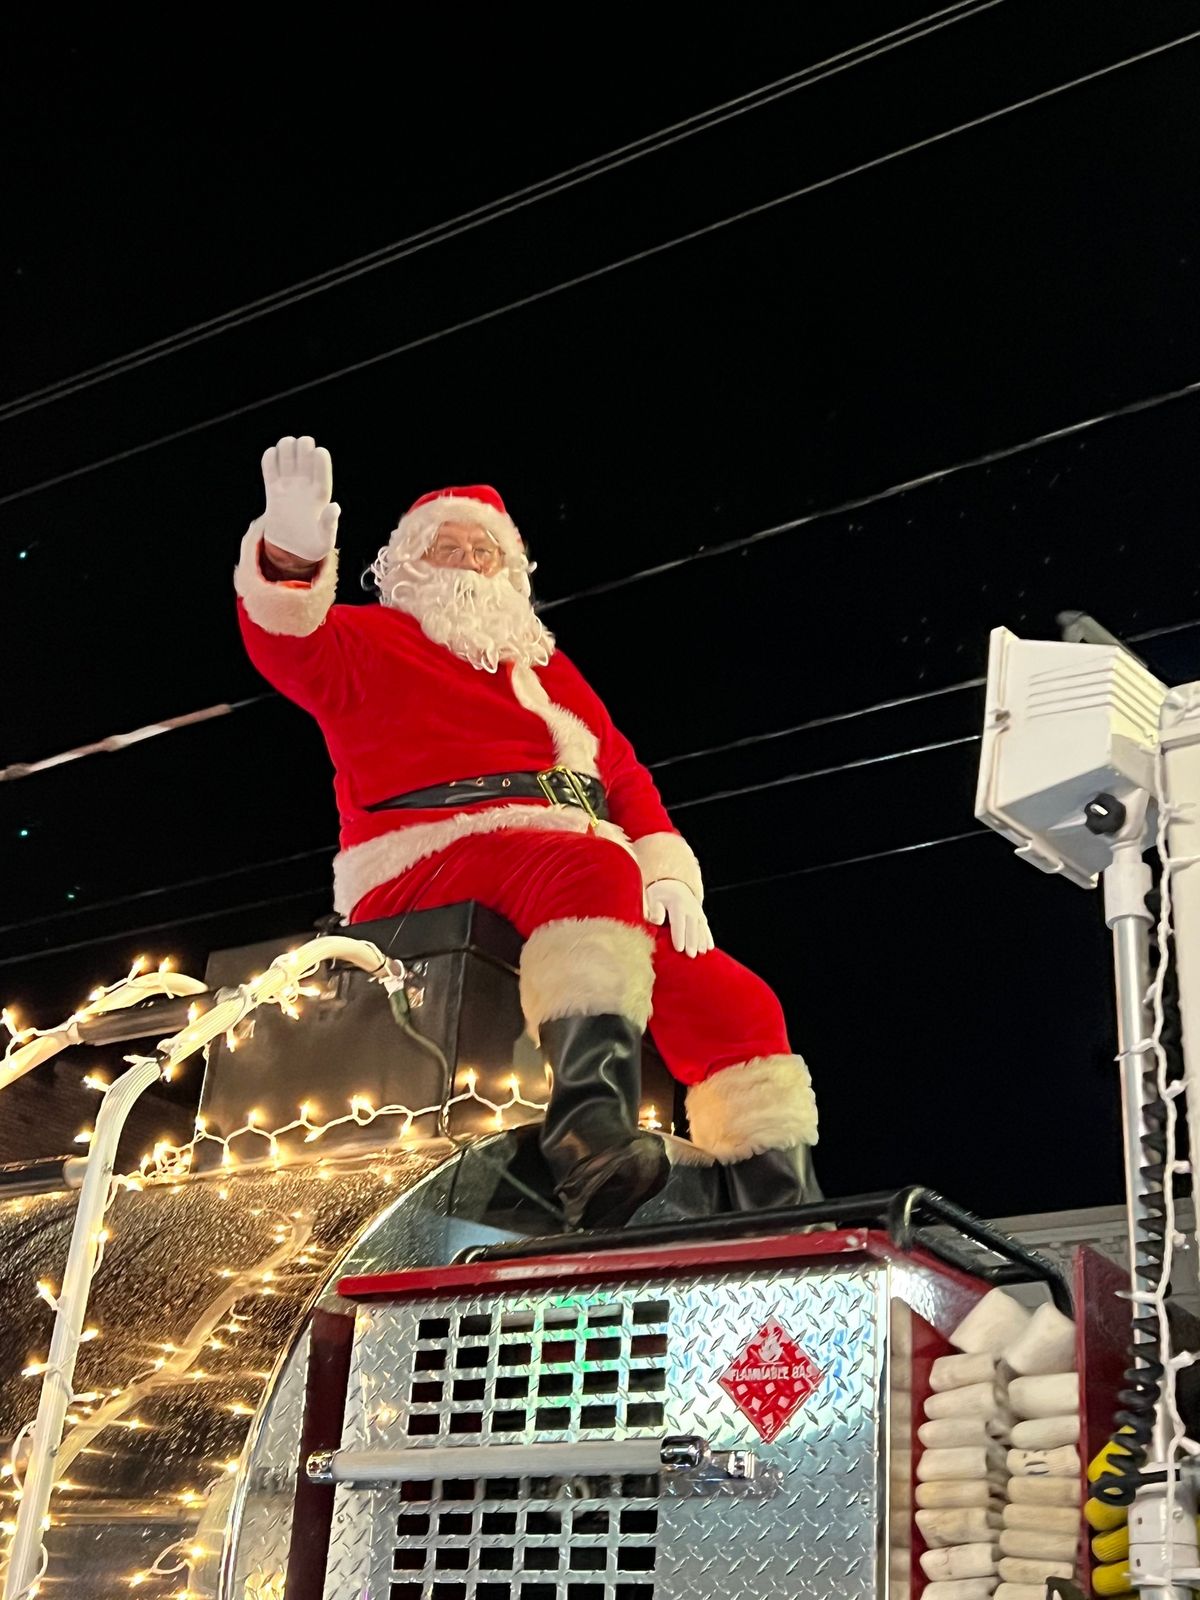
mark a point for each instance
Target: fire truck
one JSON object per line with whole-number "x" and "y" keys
{"x": 339, "y": 1345}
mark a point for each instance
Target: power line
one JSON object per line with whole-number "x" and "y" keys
{"x": 326, "y": 850}
{"x": 827, "y": 721}
{"x": 305, "y": 894}
{"x": 824, "y": 772}
{"x": 168, "y": 888}
{"x": 593, "y": 275}
{"x": 654, "y": 766}
{"x": 768, "y": 735}
{"x": 24, "y": 769}
{"x": 851, "y": 861}
{"x": 122, "y": 741}
{"x": 505, "y": 205}
{"x": 860, "y": 502}
{"x": 896, "y": 701}
{"x": 682, "y": 805}
{"x": 162, "y": 927}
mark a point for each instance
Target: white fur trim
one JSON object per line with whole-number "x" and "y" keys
{"x": 765, "y": 1104}
{"x": 587, "y": 967}
{"x": 667, "y": 855}
{"x": 365, "y": 866}
{"x": 575, "y": 745}
{"x": 275, "y": 607}
{"x": 415, "y": 531}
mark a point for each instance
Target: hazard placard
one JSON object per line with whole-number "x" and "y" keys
{"x": 771, "y": 1378}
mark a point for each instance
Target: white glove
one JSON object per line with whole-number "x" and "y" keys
{"x": 668, "y": 899}
{"x": 299, "y": 481}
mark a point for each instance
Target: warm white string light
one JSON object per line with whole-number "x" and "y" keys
{"x": 1168, "y": 811}
{"x": 282, "y": 984}
{"x": 291, "y": 1237}
{"x": 27, "y": 1048}
{"x": 174, "y": 1161}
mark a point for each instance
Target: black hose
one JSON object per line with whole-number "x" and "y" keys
{"x": 1133, "y": 1423}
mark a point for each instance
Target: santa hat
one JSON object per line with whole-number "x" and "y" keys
{"x": 478, "y": 503}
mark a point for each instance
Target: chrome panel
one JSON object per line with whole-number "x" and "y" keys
{"x": 618, "y": 1361}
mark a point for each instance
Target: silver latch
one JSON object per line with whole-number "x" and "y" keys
{"x": 688, "y": 1453}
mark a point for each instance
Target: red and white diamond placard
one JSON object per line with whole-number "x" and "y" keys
{"x": 771, "y": 1378}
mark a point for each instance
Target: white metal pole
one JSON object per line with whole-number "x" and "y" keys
{"x": 24, "y": 1564}
{"x": 1127, "y": 881}
{"x": 1181, "y": 767}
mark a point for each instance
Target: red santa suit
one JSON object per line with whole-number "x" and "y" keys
{"x": 401, "y": 713}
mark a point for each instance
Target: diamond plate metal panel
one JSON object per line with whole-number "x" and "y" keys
{"x": 619, "y": 1361}
{"x": 266, "y": 1524}
{"x": 191, "y": 1330}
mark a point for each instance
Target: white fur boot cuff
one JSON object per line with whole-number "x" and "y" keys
{"x": 587, "y": 967}
{"x": 765, "y": 1104}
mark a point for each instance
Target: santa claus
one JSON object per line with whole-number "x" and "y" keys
{"x": 473, "y": 762}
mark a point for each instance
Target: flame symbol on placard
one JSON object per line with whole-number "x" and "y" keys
{"x": 770, "y": 1348}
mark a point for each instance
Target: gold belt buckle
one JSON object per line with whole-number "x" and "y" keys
{"x": 576, "y": 787}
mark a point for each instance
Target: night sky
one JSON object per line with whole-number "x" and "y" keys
{"x": 996, "y": 286}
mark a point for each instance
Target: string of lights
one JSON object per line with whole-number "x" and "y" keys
{"x": 283, "y": 984}
{"x": 578, "y": 280}
{"x": 91, "y": 1411}
{"x": 504, "y": 205}
{"x": 28, "y": 1047}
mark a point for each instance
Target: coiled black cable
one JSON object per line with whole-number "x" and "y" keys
{"x": 1133, "y": 1423}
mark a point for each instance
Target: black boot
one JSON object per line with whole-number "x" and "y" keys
{"x": 773, "y": 1179}
{"x": 603, "y": 1165}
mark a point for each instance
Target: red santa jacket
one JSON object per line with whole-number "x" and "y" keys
{"x": 400, "y": 712}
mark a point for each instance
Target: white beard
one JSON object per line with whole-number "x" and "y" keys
{"x": 484, "y": 620}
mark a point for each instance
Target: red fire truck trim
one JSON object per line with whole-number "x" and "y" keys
{"x": 482, "y": 1277}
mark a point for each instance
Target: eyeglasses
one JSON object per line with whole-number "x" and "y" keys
{"x": 483, "y": 557}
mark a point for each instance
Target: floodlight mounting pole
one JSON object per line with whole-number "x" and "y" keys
{"x": 1127, "y": 881}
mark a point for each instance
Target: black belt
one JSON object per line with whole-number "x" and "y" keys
{"x": 559, "y": 785}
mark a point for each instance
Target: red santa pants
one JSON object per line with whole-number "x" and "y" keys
{"x": 709, "y": 1012}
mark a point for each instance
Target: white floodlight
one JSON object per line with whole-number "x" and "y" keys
{"x": 1066, "y": 725}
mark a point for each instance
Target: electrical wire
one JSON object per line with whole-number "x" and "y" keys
{"x": 169, "y": 888}
{"x": 828, "y": 721}
{"x": 834, "y": 717}
{"x": 323, "y": 889}
{"x": 24, "y": 769}
{"x": 860, "y": 502}
{"x": 824, "y": 772}
{"x": 326, "y": 850}
{"x": 593, "y": 275}
{"x": 504, "y": 205}
{"x": 122, "y": 741}
{"x": 653, "y": 766}
{"x": 162, "y": 927}
{"x": 848, "y": 861}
